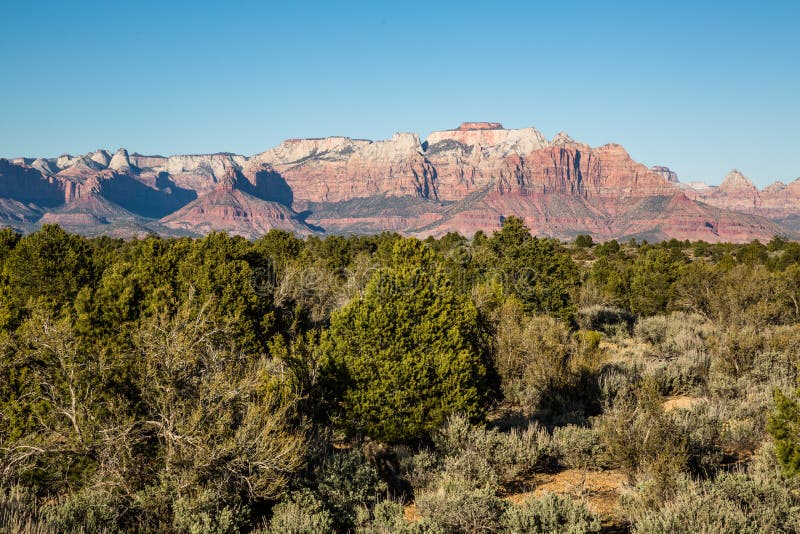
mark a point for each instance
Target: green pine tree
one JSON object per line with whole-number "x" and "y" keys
{"x": 409, "y": 353}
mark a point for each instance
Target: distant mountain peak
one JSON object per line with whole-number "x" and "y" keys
{"x": 736, "y": 180}
{"x": 562, "y": 139}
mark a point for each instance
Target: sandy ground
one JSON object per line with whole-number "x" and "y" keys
{"x": 681, "y": 402}
{"x": 599, "y": 490}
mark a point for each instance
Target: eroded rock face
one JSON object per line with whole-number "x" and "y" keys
{"x": 464, "y": 180}
{"x": 339, "y": 168}
{"x": 28, "y": 185}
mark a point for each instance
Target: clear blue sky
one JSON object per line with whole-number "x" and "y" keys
{"x": 702, "y": 87}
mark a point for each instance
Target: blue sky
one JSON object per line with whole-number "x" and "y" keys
{"x": 702, "y": 87}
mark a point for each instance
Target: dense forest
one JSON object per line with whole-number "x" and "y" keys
{"x": 383, "y": 384}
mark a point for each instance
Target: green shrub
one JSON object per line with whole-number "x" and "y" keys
{"x": 784, "y": 426}
{"x": 651, "y": 281}
{"x": 583, "y": 241}
{"x": 537, "y": 271}
{"x": 349, "y": 487}
{"x": 549, "y": 513}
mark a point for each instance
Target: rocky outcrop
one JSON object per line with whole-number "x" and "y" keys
{"x": 120, "y": 162}
{"x": 666, "y": 173}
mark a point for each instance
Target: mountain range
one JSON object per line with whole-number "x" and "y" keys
{"x": 461, "y": 180}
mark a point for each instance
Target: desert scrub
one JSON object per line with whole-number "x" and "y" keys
{"x": 543, "y": 365}
{"x": 732, "y": 502}
{"x": 702, "y": 429}
{"x": 742, "y": 399}
{"x": 608, "y": 319}
{"x": 674, "y": 334}
{"x": 454, "y": 508}
{"x": 675, "y": 352}
{"x": 420, "y": 469}
{"x": 549, "y": 513}
{"x": 579, "y": 447}
{"x": 641, "y": 438}
{"x": 300, "y": 513}
{"x": 489, "y": 456}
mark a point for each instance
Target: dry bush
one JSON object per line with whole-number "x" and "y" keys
{"x": 759, "y": 499}
{"x": 703, "y": 430}
{"x": 579, "y": 447}
{"x": 543, "y": 366}
{"x": 747, "y": 366}
{"x": 608, "y": 319}
{"x": 674, "y": 334}
{"x": 420, "y": 469}
{"x": 750, "y": 296}
{"x": 300, "y": 513}
{"x": 735, "y": 349}
{"x": 488, "y": 456}
{"x": 675, "y": 352}
{"x": 221, "y": 416}
{"x": 19, "y": 513}
{"x": 549, "y": 513}
{"x": 456, "y": 508}
{"x": 313, "y": 291}
{"x": 641, "y": 438}
{"x": 387, "y": 518}
{"x": 742, "y": 405}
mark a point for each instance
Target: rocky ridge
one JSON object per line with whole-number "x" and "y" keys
{"x": 466, "y": 179}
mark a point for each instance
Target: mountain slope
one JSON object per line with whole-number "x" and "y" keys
{"x": 228, "y": 209}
